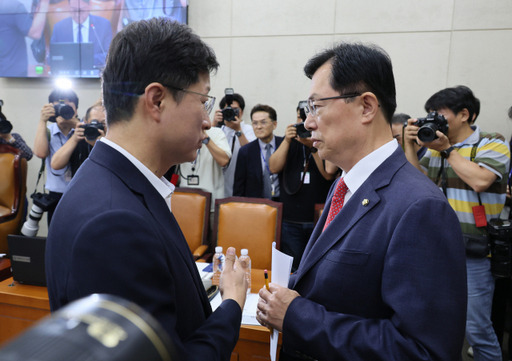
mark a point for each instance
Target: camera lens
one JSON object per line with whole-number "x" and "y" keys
{"x": 427, "y": 133}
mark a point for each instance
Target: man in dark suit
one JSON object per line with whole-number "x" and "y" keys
{"x": 113, "y": 231}
{"x": 252, "y": 175}
{"x": 81, "y": 27}
{"x": 383, "y": 276}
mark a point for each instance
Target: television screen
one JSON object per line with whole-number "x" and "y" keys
{"x": 51, "y": 38}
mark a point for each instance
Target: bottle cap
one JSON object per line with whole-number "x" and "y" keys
{"x": 244, "y": 252}
{"x": 218, "y": 249}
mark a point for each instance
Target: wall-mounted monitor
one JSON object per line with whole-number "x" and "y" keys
{"x": 53, "y": 38}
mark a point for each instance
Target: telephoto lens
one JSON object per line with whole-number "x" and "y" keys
{"x": 31, "y": 225}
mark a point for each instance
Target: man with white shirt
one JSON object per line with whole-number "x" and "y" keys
{"x": 383, "y": 276}
{"x": 81, "y": 27}
{"x": 113, "y": 230}
{"x": 237, "y": 133}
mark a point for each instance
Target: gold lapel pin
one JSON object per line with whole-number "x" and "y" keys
{"x": 365, "y": 202}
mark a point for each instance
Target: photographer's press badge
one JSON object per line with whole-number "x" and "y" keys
{"x": 193, "y": 180}
{"x": 479, "y": 214}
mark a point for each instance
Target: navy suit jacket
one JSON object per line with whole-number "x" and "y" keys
{"x": 100, "y": 36}
{"x": 386, "y": 280}
{"x": 113, "y": 233}
{"x": 248, "y": 173}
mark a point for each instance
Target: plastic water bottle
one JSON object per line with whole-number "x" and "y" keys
{"x": 218, "y": 265}
{"x": 245, "y": 261}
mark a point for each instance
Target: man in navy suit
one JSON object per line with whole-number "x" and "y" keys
{"x": 113, "y": 231}
{"x": 81, "y": 27}
{"x": 383, "y": 276}
{"x": 252, "y": 175}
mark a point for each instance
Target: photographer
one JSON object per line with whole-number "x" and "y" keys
{"x": 237, "y": 132}
{"x": 56, "y": 126}
{"x": 305, "y": 182}
{"x": 86, "y": 134}
{"x": 471, "y": 167}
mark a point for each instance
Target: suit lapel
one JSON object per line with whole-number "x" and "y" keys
{"x": 155, "y": 204}
{"x": 361, "y": 202}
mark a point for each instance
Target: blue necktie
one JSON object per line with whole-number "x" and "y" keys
{"x": 267, "y": 181}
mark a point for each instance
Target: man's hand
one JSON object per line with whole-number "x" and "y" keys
{"x": 217, "y": 118}
{"x": 233, "y": 284}
{"x": 273, "y": 304}
{"x": 46, "y": 112}
{"x": 291, "y": 133}
{"x": 234, "y": 124}
{"x": 78, "y": 135}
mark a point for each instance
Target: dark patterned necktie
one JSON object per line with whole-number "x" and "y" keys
{"x": 267, "y": 181}
{"x": 338, "y": 199}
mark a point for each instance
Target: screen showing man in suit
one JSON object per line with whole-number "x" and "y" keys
{"x": 81, "y": 28}
{"x": 383, "y": 276}
{"x": 113, "y": 231}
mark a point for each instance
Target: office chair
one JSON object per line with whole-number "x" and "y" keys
{"x": 191, "y": 208}
{"x": 252, "y": 223}
{"x": 13, "y": 188}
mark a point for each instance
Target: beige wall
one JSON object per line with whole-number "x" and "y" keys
{"x": 263, "y": 45}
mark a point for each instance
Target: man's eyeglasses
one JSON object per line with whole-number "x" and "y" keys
{"x": 257, "y": 123}
{"x": 208, "y": 105}
{"x": 311, "y": 107}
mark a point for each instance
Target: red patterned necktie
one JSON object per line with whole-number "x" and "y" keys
{"x": 337, "y": 201}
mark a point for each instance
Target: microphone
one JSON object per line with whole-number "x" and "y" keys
{"x": 99, "y": 42}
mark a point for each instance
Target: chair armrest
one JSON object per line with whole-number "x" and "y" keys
{"x": 199, "y": 252}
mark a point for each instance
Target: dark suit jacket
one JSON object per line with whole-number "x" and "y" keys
{"x": 248, "y": 173}
{"x": 113, "y": 233}
{"x": 386, "y": 280}
{"x": 100, "y": 36}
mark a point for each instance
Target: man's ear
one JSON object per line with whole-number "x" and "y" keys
{"x": 370, "y": 106}
{"x": 464, "y": 114}
{"x": 153, "y": 97}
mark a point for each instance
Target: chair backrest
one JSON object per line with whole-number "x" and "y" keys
{"x": 13, "y": 187}
{"x": 191, "y": 208}
{"x": 252, "y": 223}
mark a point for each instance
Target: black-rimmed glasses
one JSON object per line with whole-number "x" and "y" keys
{"x": 311, "y": 108}
{"x": 208, "y": 105}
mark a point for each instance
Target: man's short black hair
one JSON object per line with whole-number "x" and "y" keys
{"x": 236, "y": 98}
{"x": 456, "y": 99}
{"x": 155, "y": 50}
{"x": 265, "y": 108}
{"x": 63, "y": 94}
{"x": 359, "y": 68}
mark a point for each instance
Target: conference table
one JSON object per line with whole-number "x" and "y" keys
{"x": 22, "y": 305}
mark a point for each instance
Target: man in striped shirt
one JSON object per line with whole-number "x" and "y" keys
{"x": 471, "y": 168}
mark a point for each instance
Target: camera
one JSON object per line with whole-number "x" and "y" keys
{"x": 92, "y": 129}
{"x": 429, "y": 125}
{"x": 500, "y": 234}
{"x": 228, "y": 113}
{"x": 42, "y": 202}
{"x": 62, "y": 110}
{"x": 302, "y": 132}
{"x": 5, "y": 125}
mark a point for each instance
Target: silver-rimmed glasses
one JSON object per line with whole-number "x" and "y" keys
{"x": 311, "y": 108}
{"x": 208, "y": 105}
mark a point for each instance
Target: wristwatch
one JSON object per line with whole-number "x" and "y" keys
{"x": 446, "y": 153}
{"x": 206, "y": 140}
{"x": 238, "y": 133}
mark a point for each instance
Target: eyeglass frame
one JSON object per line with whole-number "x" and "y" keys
{"x": 310, "y": 106}
{"x": 208, "y": 108}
